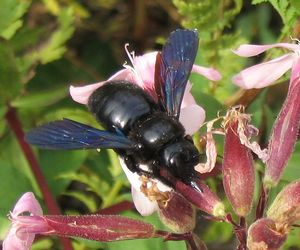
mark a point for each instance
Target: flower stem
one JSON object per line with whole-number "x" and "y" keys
{"x": 240, "y": 231}
{"x": 262, "y": 202}
{"x": 187, "y": 237}
{"x": 15, "y": 125}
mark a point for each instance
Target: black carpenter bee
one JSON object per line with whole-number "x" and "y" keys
{"x": 139, "y": 129}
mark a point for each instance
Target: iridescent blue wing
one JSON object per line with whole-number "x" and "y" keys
{"x": 173, "y": 67}
{"x": 68, "y": 134}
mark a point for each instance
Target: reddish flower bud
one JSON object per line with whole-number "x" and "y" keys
{"x": 238, "y": 168}
{"x": 285, "y": 209}
{"x": 99, "y": 227}
{"x": 284, "y": 133}
{"x": 264, "y": 235}
{"x": 178, "y": 214}
{"x": 206, "y": 200}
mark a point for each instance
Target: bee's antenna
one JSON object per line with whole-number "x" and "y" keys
{"x": 195, "y": 186}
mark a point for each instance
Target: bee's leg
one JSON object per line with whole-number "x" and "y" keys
{"x": 155, "y": 168}
{"x": 134, "y": 166}
{"x": 131, "y": 164}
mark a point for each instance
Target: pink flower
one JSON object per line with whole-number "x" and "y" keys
{"x": 264, "y": 74}
{"x": 24, "y": 228}
{"x": 142, "y": 74}
{"x": 284, "y": 132}
{"x": 142, "y": 203}
{"x": 238, "y": 166}
{"x": 94, "y": 227}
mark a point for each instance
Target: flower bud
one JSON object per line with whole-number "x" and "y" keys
{"x": 284, "y": 132}
{"x": 99, "y": 227}
{"x": 238, "y": 168}
{"x": 178, "y": 214}
{"x": 263, "y": 235}
{"x": 205, "y": 200}
{"x": 285, "y": 209}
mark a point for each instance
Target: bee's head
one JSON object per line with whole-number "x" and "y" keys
{"x": 180, "y": 158}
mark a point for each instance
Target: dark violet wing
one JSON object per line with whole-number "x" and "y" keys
{"x": 68, "y": 134}
{"x": 173, "y": 67}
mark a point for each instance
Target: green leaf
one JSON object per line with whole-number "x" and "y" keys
{"x": 56, "y": 163}
{"x": 292, "y": 241}
{"x": 87, "y": 200}
{"x": 13, "y": 184}
{"x": 3, "y": 123}
{"x": 12, "y": 156}
{"x": 212, "y": 19}
{"x": 296, "y": 5}
{"x": 100, "y": 169}
{"x": 292, "y": 170}
{"x": 217, "y": 232}
{"x": 91, "y": 180}
{"x": 4, "y": 225}
{"x": 54, "y": 47}
{"x": 77, "y": 114}
{"x": 42, "y": 244}
{"x": 9, "y": 75}
{"x": 40, "y": 98}
{"x": 258, "y": 1}
{"x": 287, "y": 11}
{"x": 10, "y": 12}
{"x": 208, "y": 102}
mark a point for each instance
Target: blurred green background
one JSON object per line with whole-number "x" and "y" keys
{"x": 47, "y": 45}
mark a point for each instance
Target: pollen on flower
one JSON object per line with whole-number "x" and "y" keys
{"x": 149, "y": 189}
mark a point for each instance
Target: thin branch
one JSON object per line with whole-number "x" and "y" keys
{"x": 187, "y": 237}
{"x": 262, "y": 203}
{"x": 15, "y": 125}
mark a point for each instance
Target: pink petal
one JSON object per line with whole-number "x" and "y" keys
{"x": 295, "y": 70}
{"x": 211, "y": 151}
{"x": 12, "y": 242}
{"x": 142, "y": 204}
{"x": 264, "y": 74}
{"x": 188, "y": 98}
{"x": 17, "y": 237}
{"x": 247, "y": 50}
{"x": 81, "y": 94}
{"x": 126, "y": 74}
{"x": 209, "y": 73}
{"x": 192, "y": 117}
{"x": 27, "y": 203}
{"x": 145, "y": 68}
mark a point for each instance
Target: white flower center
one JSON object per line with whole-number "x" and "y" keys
{"x": 131, "y": 56}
